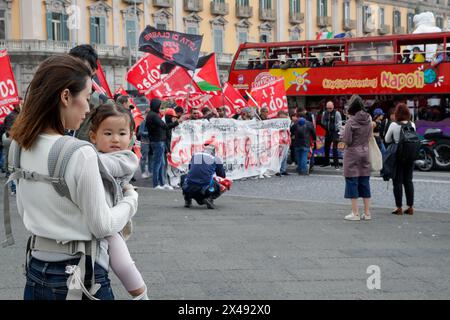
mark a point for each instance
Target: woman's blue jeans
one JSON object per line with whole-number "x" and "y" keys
{"x": 48, "y": 280}
{"x": 159, "y": 152}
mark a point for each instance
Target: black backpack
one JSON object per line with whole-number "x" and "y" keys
{"x": 408, "y": 144}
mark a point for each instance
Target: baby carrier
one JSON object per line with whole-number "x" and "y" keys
{"x": 59, "y": 156}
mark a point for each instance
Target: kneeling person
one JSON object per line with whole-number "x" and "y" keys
{"x": 200, "y": 184}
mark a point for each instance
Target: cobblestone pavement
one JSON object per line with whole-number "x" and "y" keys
{"x": 273, "y": 247}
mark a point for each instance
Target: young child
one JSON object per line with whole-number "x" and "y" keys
{"x": 111, "y": 132}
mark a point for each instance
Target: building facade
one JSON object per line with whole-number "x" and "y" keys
{"x": 31, "y": 30}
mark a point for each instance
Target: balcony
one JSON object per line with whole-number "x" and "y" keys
{"x": 367, "y": 28}
{"x": 384, "y": 29}
{"x": 323, "y": 21}
{"x": 193, "y": 5}
{"x": 163, "y": 3}
{"x": 243, "y": 12}
{"x": 296, "y": 17}
{"x": 398, "y": 30}
{"x": 267, "y": 14}
{"x": 49, "y": 47}
{"x": 219, "y": 8}
{"x": 349, "y": 24}
{"x": 133, "y": 1}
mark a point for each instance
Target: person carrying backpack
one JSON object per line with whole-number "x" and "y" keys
{"x": 403, "y": 133}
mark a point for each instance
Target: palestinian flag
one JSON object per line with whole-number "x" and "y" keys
{"x": 206, "y": 75}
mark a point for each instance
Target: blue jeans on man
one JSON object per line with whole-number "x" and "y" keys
{"x": 301, "y": 154}
{"x": 283, "y": 167}
{"x": 146, "y": 159}
{"x": 159, "y": 153}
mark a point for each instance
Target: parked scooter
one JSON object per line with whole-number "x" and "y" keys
{"x": 434, "y": 151}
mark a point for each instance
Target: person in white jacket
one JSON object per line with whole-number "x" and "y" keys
{"x": 58, "y": 100}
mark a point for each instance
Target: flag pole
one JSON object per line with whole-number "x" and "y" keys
{"x": 254, "y": 101}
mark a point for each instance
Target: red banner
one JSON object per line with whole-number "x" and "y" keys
{"x": 176, "y": 85}
{"x": 145, "y": 73}
{"x": 272, "y": 96}
{"x": 9, "y": 94}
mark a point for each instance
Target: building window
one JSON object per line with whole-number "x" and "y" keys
{"x": 410, "y": 22}
{"x": 218, "y": 40}
{"x": 2, "y": 25}
{"x": 322, "y": 8}
{"x": 397, "y": 19}
{"x": 245, "y": 3}
{"x": 295, "y": 34}
{"x": 439, "y": 22}
{"x": 264, "y": 38}
{"x": 346, "y": 10}
{"x": 98, "y": 30}
{"x": 266, "y": 4}
{"x": 192, "y": 29}
{"x": 130, "y": 26}
{"x": 192, "y": 23}
{"x": 57, "y": 26}
{"x": 242, "y": 36}
{"x": 367, "y": 15}
{"x": 381, "y": 17}
{"x": 295, "y": 6}
{"x": 161, "y": 26}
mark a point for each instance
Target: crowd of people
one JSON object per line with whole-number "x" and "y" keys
{"x": 90, "y": 205}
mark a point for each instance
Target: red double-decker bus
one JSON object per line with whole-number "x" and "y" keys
{"x": 379, "y": 69}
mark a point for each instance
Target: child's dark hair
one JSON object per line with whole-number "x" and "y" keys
{"x": 99, "y": 114}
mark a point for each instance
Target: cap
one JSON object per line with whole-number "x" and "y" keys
{"x": 378, "y": 112}
{"x": 170, "y": 112}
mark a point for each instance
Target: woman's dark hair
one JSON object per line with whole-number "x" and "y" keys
{"x": 402, "y": 112}
{"x": 356, "y": 104}
{"x": 41, "y": 108}
{"x": 87, "y": 53}
{"x": 99, "y": 114}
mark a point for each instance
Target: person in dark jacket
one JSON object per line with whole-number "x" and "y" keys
{"x": 304, "y": 132}
{"x": 199, "y": 183}
{"x": 157, "y": 132}
{"x": 357, "y": 168}
{"x": 332, "y": 122}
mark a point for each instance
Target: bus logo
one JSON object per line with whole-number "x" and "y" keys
{"x": 262, "y": 79}
{"x": 241, "y": 79}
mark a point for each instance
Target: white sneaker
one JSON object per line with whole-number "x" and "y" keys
{"x": 366, "y": 217}
{"x": 159, "y": 188}
{"x": 167, "y": 187}
{"x": 352, "y": 217}
{"x": 145, "y": 175}
{"x": 266, "y": 175}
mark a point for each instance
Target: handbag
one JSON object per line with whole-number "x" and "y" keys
{"x": 376, "y": 160}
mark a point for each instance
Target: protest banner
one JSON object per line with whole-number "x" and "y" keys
{"x": 247, "y": 148}
{"x": 272, "y": 96}
{"x": 178, "y": 48}
{"x": 9, "y": 94}
{"x": 145, "y": 73}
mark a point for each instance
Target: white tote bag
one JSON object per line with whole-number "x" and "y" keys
{"x": 376, "y": 160}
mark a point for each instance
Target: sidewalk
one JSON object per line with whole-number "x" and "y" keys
{"x": 270, "y": 249}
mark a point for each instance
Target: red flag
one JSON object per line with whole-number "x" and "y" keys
{"x": 137, "y": 114}
{"x": 271, "y": 95}
{"x": 235, "y": 99}
{"x": 101, "y": 86}
{"x": 176, "y": 85}
{"x": 4, "y": 111}
{"x": 145, "y": 73}
{"x": 9, "y": 94}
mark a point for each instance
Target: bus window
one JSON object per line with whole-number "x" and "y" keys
{"x": 370, "y": 51}
{"x": 286, "y": 57}
{"x": 325, "y": 55}
{"x": 419, "y": 53}
{"x": 251, "y": 59}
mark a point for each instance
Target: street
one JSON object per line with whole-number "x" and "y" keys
{"x": 279, "y": 238}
